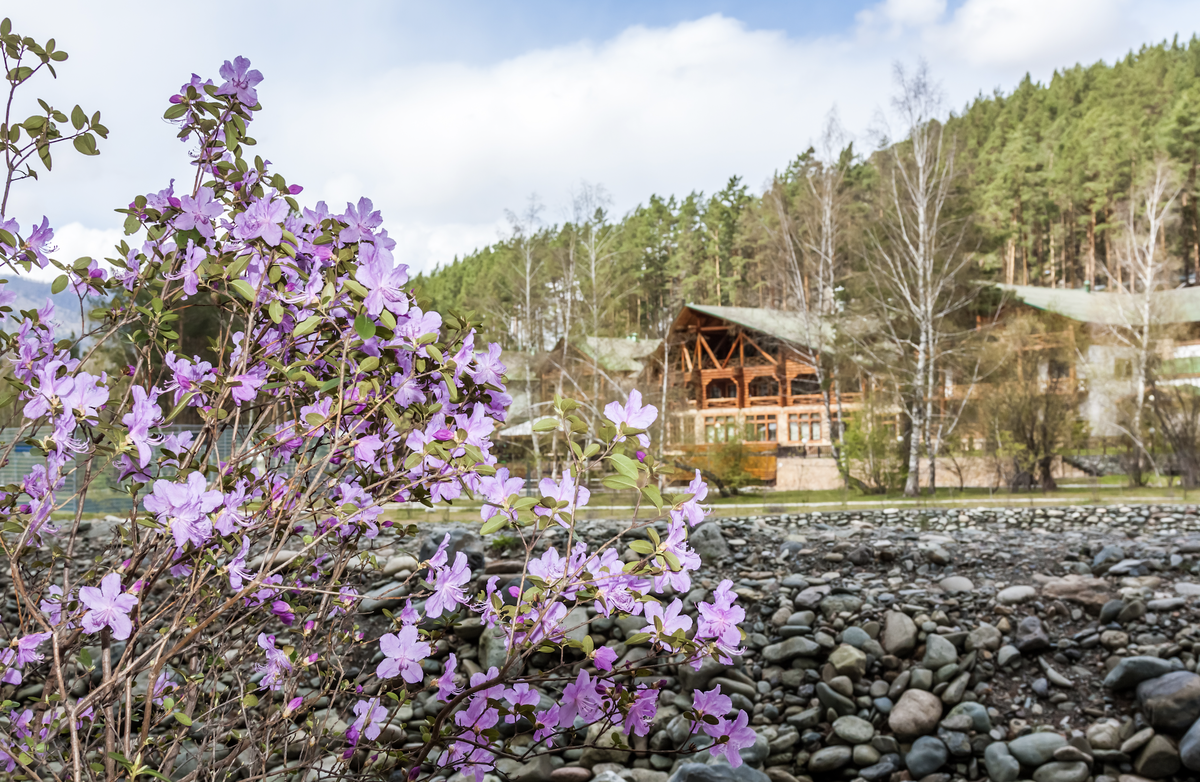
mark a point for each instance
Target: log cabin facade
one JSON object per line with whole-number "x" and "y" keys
{"x": 749, "y": 373}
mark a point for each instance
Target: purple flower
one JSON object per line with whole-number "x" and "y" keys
{"x": 39, "y": 240}
{"x": 190, "y": 259}
{"x": 565, "y": 492}
{"x": 360, "y": 222}
{"x": 719, "y": 620}
{"x": 382, "y": 280}
{"x": 633, "y": 415}
{"x": 27, "y": 648}
{"x": 404, "y": 655}
{"x": 488, "y": 368}
{"x": 604, "y": 657}
{"x": 691, "y": 510}
{"x": 185, "y": 506}
{"x": 497, "y": 489}
{"x": 162, "y": 686}
{"x": 261, "y": 220}
{"x": 245, "y": 386}
{"x": 52, "y": 607}
{"x": 240, "y": 81}
{"x": 738, "y": 734}
{"x": 447, "y": 589}
{"x": 366, "y": 448}
{"x": 446, "y": 687}
{"x": 198, "y": 213}
{"x": 283, "y": 611}
{"x": 187, "y": 376}
{"x": 711, "y": 703}
{"x": 520, "y": 695}
{"x": 662, "y": 624}
{"x": 108, "y": 607}
{"x": 641, "y": 712}
{"x": 580, "y": 698}
{"x": 369, "y": 723}
{"x": 277, "y": 663}
{"x": 144, "y": 414}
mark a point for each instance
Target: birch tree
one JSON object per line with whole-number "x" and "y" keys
{"x": 526, "y": 267}
{"x": 916, "y": 260}
{"x": 808, "y": 240}
{"x": 1145, "y": 269}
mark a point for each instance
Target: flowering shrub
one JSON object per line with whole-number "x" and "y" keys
{"x": 224, "y": 610}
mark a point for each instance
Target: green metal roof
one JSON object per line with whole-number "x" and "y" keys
{"x": 1108, "y": 308}
{"x": 785, "y": 326}
{"x": 616, "y": 354}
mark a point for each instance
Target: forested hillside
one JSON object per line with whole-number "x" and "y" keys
{"x": 1041, "y": 182}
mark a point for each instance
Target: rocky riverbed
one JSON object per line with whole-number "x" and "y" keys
{"x": 1057, "y": 645}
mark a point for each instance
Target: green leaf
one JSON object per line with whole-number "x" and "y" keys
{"x": 364, "y": 326}
{"x": 494, "y": 524}
{"x": 243, "y": 289}
{"x": 250, "y": 701}
{"x": 642, "y": 546}
{"x": 651, "y": 493}
{"x": 626, "y": 466}
{"x": 545, "y": 425}
{"x": 86, "y": 143}
{"x": 619, "y": 482}
{"x": 175, "y": 111}
{"x": 182, "y": 718}
{"x": 275, "y": 310}
{"x": 306, "y": 326}
{"x": 85, "y": 657}
{"x": 78, "y": 118}
{"x": 60, "y": 284}
{"x": 369, "y": 364}
{"x": 636, "y": 639}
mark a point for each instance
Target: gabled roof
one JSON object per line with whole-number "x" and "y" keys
{"x": 785, "y": 326}
{"x": 1109, "y": 308}
{"x": 615, "y": 354}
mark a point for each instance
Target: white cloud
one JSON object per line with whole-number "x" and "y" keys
{"x": 75, "y": 240}
{"x": 444, "y": 147}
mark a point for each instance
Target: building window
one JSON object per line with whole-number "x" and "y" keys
{"x": 719, "y": 428}
{"x": 761, "y": 428}
{"x": 805, "y": 385}
{"x": 804, "y": 427}
{"x": 722, "y": 389}
{"x": 764, "y": 386}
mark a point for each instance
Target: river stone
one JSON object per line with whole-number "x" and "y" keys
{"x": 723, "y": 772}
{"x": 1087, "y": 591}
{"x": 1062, "y": 772}
{"x": 1104, "y": 734}
{"x": 387, "y": 596}
{"x": 1158, "y": 759}
{"x": 899, "y": 634}
{"x": 985, "y": 636}
{"x": 956, "y": 585}
{"x": 829, "y": 759}
{"x": 927, "y": 755}
{"x": 832, "y": 605}
{"x": 915, "y": 714}
{"x": 600, "y": 748}
{"x": 980, "y": 721}
{"x": 1015, "y": 594}
{"x": 1035, "y": 749}
{"x": 708, "y": 542}
{"x": 1171, "y": 702}
{"x": 938, "y": 652}
{"x": 848, "y": 661}
{"x": 854, "y": 729}
{"x": 856, "y": 637}
{"x": 1132, "y": 671}
{"x": 1031, "y": 635}
{"x": 1189, "y": 747}
{"x": 1001, "y": 765}
{"x": 832, "y": 699}
{"x": 785, "y": 651}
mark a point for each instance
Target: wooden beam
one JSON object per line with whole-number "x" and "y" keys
{"x": 766, "y": 355}
{"x": 687, "y": 355}
{"x": 702, "y": 341}
{"x": 732, "y": 348}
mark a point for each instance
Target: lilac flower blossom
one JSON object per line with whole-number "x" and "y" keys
{"x": 496, "y": 490}
{"x": 580, "y": 698}
{"x": 52, "y": 606}
{"x": 108, "y": 607}
{"x": 404, "y": 655}
{"x": 641, "y": 713}
{"x": 185, "y": 507}
{"x": 520, "y": 694}
{"x": 671, "y": 619}
{"x": 448, "y": 587}
{"x": 446, "y": 687}
{"x": 692, "y": 511}
{"x": 633, "y": 415}
{"x": 360, "y": 221}
{"x": 566, "y": 491}
{"x": 245, "y": 386}
{"x": 488, "y": 367}
{"x": 240, "y": 81}
{"x": 383, "y": 281}
{"x": 738, "y": 734}
{"x": 39, "y": 240}
{"x": 277, "y": 664}
{"x": 711, "y": 703}
{"x": 143, "y": 414}
{"x": 604, "y": 657}
{"x": 198, "y": 213}
{"x": 261, "y": 220}
{"x": 370, "y": 716}
{"x": 189, "y": 259}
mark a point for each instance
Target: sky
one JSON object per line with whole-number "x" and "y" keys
{"x": 449, "y": 114}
